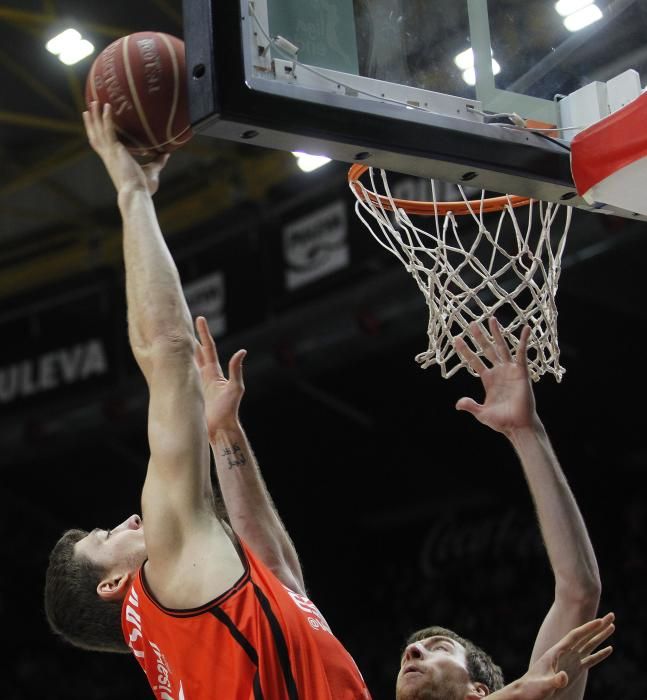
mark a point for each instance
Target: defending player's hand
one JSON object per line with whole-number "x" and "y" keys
{"x": 509, "y": 402}
{"x": 125, "y": 172}
{"x": 222, "y": 396}
{"x": 563, "y": 663}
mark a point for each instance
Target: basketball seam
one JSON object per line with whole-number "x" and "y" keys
{"x": 176, "y": 85}
{"x": 133, "y": 91}
{"x": 95, "y": 96}
{"x": 139, "y": 144}
{"x": 93, "y": 87}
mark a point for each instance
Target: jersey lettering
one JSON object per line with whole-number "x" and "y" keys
{"x": 134, "y": 618}
{"x": 163, "y": 679}
{"x": 315, "y": 619}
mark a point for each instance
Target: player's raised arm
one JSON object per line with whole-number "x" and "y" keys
{"x": 561, "y": 667}
{"x": 177, "y": 501}
{"x": 198, "y": 608}
{"x": 249, "y": 505}
{"x": 509, "y": 408}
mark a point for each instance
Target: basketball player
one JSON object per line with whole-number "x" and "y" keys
{"x": 200, "y": 611}
{"x": 438, "y": 664}
{"x": 509, "y": 408}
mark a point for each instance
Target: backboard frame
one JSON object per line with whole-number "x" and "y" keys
{"x": 225, "y": 104}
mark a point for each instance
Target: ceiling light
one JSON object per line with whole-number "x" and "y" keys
{"x": 60, "y": 41}
{"x": 465, "y": 59}
{"x": 70, "y": 47}
{"x": 582, "y": 18}
{"x": 568, "y": 7}
{"x": 308, "y": 162}
{"x": 469, "y": 74}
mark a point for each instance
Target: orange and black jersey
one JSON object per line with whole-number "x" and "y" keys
{"x": 257, "y": 641}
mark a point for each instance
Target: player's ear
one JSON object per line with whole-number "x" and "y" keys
{"x": 477, "y": 690}
{"x": 114, "y": 587}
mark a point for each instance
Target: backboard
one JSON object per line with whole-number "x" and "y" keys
{"x": 416, "y": 87}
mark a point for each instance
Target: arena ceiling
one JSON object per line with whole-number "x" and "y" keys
{"x": 53, "y": 195}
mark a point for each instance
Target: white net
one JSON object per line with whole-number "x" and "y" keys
{"x": 498, "y": 266}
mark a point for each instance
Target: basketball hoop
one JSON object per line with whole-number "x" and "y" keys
{"x": 497, "y": 268}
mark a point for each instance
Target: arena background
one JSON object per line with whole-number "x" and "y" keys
{"x": 405, "y": 513}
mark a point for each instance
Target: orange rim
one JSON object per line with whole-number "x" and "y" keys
{"x": 411, "y": 206}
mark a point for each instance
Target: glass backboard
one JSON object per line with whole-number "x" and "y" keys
{"x": 424, "y": 88}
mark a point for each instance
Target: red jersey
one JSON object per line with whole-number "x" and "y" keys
{"x": 257, "y": 641}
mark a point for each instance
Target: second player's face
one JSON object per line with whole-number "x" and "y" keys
{"x": 434, "y": 668}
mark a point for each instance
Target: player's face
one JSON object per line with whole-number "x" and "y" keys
{"x": 120, "y": 549}
{"x": 435, "y": 668}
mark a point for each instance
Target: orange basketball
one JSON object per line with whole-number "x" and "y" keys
{"x": 143, "y": 78}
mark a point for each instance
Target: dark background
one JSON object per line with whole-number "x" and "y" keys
{"x": 404, "y": 512}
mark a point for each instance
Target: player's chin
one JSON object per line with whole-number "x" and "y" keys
{"x": 408, "y": 685}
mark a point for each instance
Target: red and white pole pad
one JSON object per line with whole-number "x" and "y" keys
{"x": 609, "y": 159}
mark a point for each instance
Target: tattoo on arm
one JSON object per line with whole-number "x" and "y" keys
{"x": 234, "y": 455}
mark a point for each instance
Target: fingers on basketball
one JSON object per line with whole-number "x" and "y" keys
{"x": 92, "y": 121}
{"x": 108, "y": 123}
{"x": 87, "y": 123}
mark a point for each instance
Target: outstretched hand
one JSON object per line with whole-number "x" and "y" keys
{"x": 222, "y": 396}
{"x": 509, "y": 402}
{"x": 125, "y": 172}
{"x": 562, "y": 664}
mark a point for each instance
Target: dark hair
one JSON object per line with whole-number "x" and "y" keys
{"x": 479, "y": 664}
{"x": 73, "y": 607}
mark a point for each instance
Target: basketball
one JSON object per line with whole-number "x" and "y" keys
{"x": 142, "y": 76}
